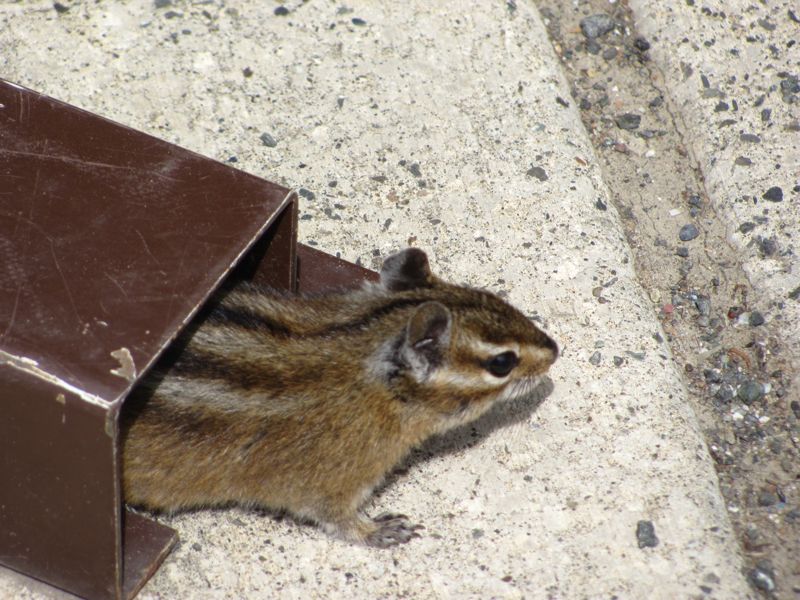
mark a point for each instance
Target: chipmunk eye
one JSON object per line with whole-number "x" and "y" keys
{"x": 502, "y": 364}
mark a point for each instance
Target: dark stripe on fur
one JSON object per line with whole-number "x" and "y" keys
{"x": 241, "y": 374}
{"x": 248, "y": 319}
{"x": 362, "y": 321}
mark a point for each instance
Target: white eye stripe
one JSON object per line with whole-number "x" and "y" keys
{"x": 446, "y": 376}
{"x": 488, "y": 349}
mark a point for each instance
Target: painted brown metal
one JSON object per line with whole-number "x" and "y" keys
{"x": 110, "y": 241}
{"x": 318, "y": 271}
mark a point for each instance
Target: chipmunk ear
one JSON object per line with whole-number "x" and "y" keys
{"x": 406, "y": 270}
{"x": 427, "y": 337}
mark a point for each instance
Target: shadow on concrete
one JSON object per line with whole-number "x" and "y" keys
{"x": 501, "y": 415}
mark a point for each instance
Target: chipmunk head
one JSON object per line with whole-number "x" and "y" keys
{"x": 467, "y": 348}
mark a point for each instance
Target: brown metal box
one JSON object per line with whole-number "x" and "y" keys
{"x": 110, "y": 241}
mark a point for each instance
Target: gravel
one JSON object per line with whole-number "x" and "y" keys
{"x": 646, "y": 534}
{"x": 597, "y": 25}
{"x": 267, "y": 139}
{"x": 774, "y": 194}
{"x": 750, "y": 392}
{"x": 688, "y": 232}
{"x": 628, "y": 121}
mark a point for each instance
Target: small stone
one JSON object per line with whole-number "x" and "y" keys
{"x": 695, "y": 200}
{"x": 477, "y": 534}
{"x": 646, "y": 534}
{"x": 618, "y": 361}
{"x": 596, "y": 358}
{"x": 703, "y": 305}
{"x": 628, "y": 121}
{"x": 585, "y": 104}
{"x": 688, "y": 232}
{"x": 307, "y": 194}
{"x": 756, "y": 319}
{"x": 762, "y": 580}
{"x": 767, "y": 246}
{"x": 682, "y": 251}
{"x": 795, "y": 406}
{"x": 747, "y": 227}
{"x": 766, "y": 24}
{"x": 162, "y": 3}
{"x": 597, "y": 25}
{"x": 766, "y": 113}
{"x": 734, "y": 312}
{"x": 358, "y": 22}
{"x": 724, "y": 393}
{"x": 610, "y": 53}
{"x": 247, "y": 72}
{"x": 773, "y": 194}
{"x": 413, "y": 168}
{"x": 600, "y": 205}
{"x": 743, "y": 161}
{"x": 750, "y": 391}
{"x": 280, "y": 11}
{"x": 721, "y": 106}
{"x": 196, "y": 547}
{"x": 268, "y": 140}
{"x": 537, "y": 172}
{"x": 60, "y": 8}
{"x": 767, "y": 498}
{"x": 641, "y": 44}
{"x": 592, "y": 47}
{"x": 656, "y": 102}
{"x": 750, "y": 137}
{"x": 790, "y": 85}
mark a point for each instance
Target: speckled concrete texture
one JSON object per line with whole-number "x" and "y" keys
{"x": 734, "y": 70}
{"x": 449, "y": 127}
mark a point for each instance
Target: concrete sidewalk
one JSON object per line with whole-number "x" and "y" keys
{"x": 733, "y": 70}
{"x": 449, "y": 127}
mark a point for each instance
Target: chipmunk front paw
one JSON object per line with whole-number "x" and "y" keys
{"x": 392, "y": 529}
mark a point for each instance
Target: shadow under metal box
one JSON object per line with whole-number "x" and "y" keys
{"x": 110, "y": 241}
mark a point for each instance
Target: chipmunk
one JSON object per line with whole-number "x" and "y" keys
{"x": 304, "y": 403}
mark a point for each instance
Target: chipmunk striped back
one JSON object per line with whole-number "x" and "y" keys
{"x": 305, "y": 403}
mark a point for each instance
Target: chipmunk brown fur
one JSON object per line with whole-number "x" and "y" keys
{"x": 305, "y": 403}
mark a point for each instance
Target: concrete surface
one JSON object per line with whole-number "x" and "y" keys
{"x": 453, "y": 106}
{"x": 737, "y": 369}
{"x": 733, "y": 69}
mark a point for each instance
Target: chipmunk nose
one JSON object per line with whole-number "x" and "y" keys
{"x": 550, "y": 344}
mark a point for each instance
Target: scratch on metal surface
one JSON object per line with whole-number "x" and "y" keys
{"x": 27, "y": 365}
{"x": 84, "y": 163}
{"x": 146, "y": 247}
{"x": 64, "y": 281}
{"x": 127, "y": 368}
{"x": 13, "y": 313}
{"x": 116, "y": 283}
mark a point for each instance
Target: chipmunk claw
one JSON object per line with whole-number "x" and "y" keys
{"x": 392, "y": 529}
